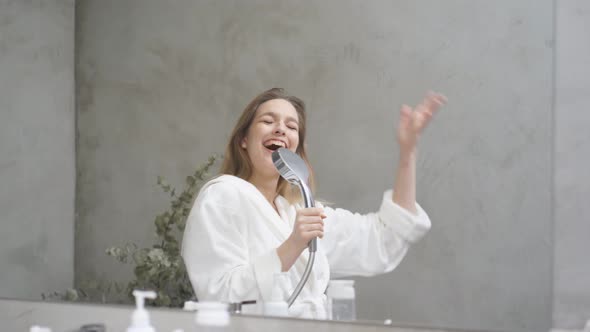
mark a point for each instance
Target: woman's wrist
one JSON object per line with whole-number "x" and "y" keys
{"x": 288, "y": 254}
{"x": 407, "y": 156}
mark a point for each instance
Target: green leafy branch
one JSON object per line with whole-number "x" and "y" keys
{"x": 101, "y": 291}
{"x": 161, "y": 267}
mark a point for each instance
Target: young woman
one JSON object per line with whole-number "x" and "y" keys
{"x": 248, "y": 223}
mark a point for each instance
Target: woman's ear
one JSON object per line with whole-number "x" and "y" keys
{"x": 243, "y": 143}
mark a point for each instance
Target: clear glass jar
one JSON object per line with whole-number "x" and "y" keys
{"x": 341, "y": 300}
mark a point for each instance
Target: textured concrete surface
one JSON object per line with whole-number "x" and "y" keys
{"x": 161, "y": 84}
{"x": 572, "y": 161}
{"x": 37, "y": 163}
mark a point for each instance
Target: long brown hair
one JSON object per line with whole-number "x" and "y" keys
{"x": 236, "y": 160}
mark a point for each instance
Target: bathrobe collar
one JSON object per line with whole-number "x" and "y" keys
{"x": 279, "y": 223}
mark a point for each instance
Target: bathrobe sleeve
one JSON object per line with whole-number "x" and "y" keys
{"x": 215, "y": 250}
{"x": 373, "y": 243}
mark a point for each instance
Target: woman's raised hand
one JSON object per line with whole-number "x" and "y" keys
{"x": 413, "y": 121}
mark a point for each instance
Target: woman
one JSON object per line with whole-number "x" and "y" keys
{"x": 247, "y": 224}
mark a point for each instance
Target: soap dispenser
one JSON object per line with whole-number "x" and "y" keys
{"x": 140, "y": 319}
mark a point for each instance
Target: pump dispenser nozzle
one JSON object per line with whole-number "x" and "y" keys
{"x": 140, "y": 320}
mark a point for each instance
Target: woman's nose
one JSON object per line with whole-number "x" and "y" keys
{"x": 280, "y": 129}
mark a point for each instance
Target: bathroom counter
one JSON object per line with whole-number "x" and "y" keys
{"x": 19, "y": 315}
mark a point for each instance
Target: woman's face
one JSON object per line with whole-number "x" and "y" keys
{"x": 275, "y": 125}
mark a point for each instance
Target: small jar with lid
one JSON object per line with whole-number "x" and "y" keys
{"x": 212, "y": 316}
{"x": 341, "y": 300}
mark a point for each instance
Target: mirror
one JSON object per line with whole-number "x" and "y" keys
{"x": 159, "y": 86}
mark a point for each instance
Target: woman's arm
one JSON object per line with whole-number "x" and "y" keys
{"x": 373, "y": 243}
{"x": 411, "y": 124}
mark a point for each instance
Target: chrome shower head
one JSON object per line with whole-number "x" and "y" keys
{"x": 293, "y": 169}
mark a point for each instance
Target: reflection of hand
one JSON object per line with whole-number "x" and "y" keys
{"x": 413, "y": 121}
{"x": 309, "y": 224}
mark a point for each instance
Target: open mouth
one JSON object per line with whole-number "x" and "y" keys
{"x": 274, "y": 145}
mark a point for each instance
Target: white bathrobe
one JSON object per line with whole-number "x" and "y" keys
{"x": 232, "y": 233}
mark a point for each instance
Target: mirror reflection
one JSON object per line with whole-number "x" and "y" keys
{"x": 115, "y": 114}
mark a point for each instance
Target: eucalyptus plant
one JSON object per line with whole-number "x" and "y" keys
{"x": 161, "y": 268}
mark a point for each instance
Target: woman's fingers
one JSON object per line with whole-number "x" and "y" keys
{"x": 303, "y": 226}
{"x": 426, "y": 109}
{"x": 405, "y": 116}
{"x": 433, "y": 101}
{"x": 422, "y": 116}
{"x": 314, "y": 211}
{"x": 311, "y": 231}
{"x": 310, "y": 219}
{"x": 312, "y": 234}
{"x": 311, "y": 227}
{"x": 310, "y": 224}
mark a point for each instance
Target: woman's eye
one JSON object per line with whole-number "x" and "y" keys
{"x": 267, "y": 121}
{"x": 293, "y": 128}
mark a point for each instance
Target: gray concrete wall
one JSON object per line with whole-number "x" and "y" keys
{"x": 160, "y": 86}
{"x": 37, "y": 163}
{"x": 572, "y": 162}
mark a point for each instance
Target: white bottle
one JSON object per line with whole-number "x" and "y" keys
{"x": 36, "y": 328}
{"x": 341, "y": 300}
{"x": 212, "y": 316}
{"x": 190, "y": 306}
{"x": 140, "y": 319}
{"x": 277, "y": 306}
